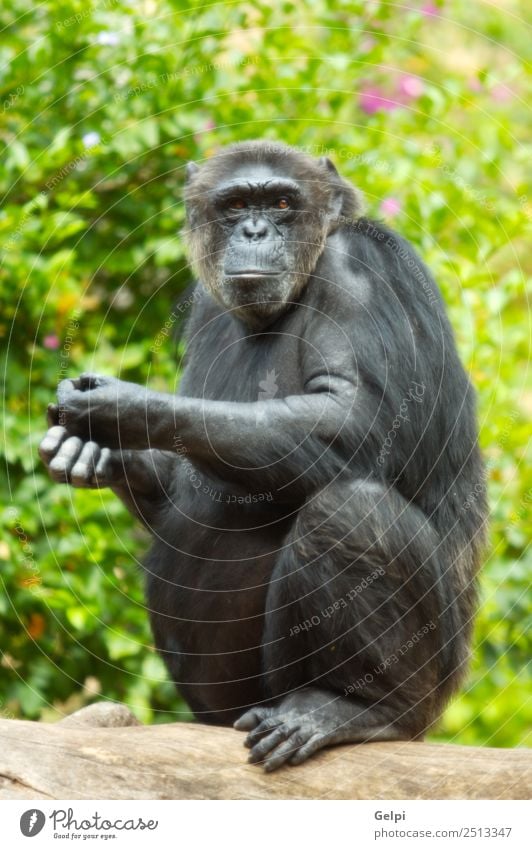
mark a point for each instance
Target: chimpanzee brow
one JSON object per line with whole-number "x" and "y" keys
{"x": 257, "y": 189}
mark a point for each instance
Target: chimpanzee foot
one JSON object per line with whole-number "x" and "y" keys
{"x": 306, "y": 721}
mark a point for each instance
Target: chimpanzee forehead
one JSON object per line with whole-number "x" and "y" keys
{"x": 265, "y": 178}
{"x": 257, "y": 186}
{"x": 257, "y": 172}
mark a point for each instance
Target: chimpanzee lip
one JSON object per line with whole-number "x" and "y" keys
{"x": 251, "y": 272}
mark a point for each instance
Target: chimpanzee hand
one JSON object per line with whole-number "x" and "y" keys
{"x": 140, "y": 478}
{"x": 105, "y": 410}
{"x": 81, "y": 464}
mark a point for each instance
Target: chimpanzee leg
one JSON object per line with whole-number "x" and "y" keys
{"x": 354, "y": 645}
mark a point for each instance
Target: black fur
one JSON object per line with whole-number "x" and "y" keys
{"x": 309, "y": 489}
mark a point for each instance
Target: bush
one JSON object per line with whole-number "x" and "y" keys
{"x": 423, "y": 108}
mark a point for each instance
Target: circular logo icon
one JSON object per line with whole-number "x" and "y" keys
{"x": 32, "y": 822}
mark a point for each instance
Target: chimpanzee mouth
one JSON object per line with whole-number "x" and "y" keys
{"x": 251, "y": 272}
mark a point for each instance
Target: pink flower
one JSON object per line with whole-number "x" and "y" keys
{"x": 51, "y": 342}
{"x": 474, "y": 84}
{"x": 390, "y": 207}
{"x": 411, "y": 87}
{"x": 208, "y": 125}
{"x": 430, "y": 10}
{"x": 371, "y": 99}
{"x": 367, "y": 44}
{"x": 501, "y": 93}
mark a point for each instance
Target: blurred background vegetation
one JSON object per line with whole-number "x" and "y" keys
{"x": 421, "y": 105}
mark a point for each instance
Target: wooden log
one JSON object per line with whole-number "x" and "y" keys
{"x": 80, "y": 759}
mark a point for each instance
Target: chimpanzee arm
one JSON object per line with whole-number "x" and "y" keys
{"x": 275, "y": 441}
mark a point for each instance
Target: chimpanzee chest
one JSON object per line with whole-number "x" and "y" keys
{"x": 228, "y": 362}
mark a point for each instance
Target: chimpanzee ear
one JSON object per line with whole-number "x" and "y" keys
{"x": 190, "y": 169}
{"x": 326, "y": 162}
{"x": 337, "y": 194}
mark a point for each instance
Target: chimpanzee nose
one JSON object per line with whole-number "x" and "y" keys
{"x": 255, "y": 229}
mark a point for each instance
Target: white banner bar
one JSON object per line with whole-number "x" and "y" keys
{"x": 263, "y": 824}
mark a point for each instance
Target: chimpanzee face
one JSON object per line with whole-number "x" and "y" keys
{"x": 256, "y": 229}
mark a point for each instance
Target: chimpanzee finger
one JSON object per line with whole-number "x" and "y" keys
{"x": 65, "y": 459}
{"x": 111, "y": 468}
{"x": 271, "y": 741}
{"x": 251, "y": 718}
{"x": 52, "y": 415}
{"x": 284, "y": 751}
{"x": 101, "y": 469}
{"x": 65, "y": 390}
{"x": 89, "y": 380}
{"x": 263, "y": 728}
{"x": 82, "y": 471}
{"x": 315, "y": 743}
{"x": 51, "y": 442}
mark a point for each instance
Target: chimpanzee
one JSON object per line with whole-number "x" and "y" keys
{"x": 315, "y": 542}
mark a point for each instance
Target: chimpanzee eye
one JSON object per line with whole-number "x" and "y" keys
{"x": 282, "y": 203}
{"x": 237, "y": 203}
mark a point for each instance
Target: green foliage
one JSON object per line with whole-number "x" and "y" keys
{"x": 100, "y": 108}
